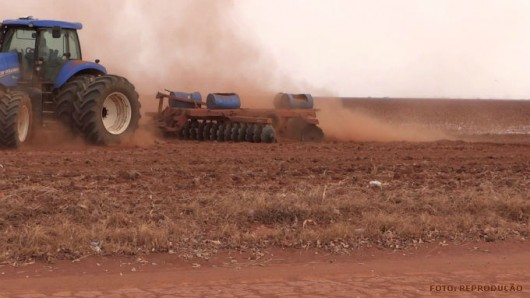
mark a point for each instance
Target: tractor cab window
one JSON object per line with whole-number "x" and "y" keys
{"x": 65, "y": 47}
{"x": 54, "y": 52}
{"x": 22, "y": 41}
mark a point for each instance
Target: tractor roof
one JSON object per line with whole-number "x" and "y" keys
{"x": 31, "y": 22}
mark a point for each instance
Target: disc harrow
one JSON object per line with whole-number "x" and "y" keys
{"x": 221, "y": 119}
{"x": 211, "y": 130}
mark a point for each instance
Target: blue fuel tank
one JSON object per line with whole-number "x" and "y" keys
{"x": 223, "y": 101}
{"x": 195, "y": 96}
{"x": 293, "y": 101}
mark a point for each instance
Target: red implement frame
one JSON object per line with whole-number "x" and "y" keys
{"x": 173, "y": 119}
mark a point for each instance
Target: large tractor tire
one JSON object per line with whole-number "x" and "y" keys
{"x": 67, "y": 94}
{"x": 16, "y": 119}
{"x": 108, "y": 111}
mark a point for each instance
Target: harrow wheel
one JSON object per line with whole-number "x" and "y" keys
{"x": 312, "y": 133}
{"x": 294, "y": 128}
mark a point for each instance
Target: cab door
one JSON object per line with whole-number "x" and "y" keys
{"x": 55, "y": 47}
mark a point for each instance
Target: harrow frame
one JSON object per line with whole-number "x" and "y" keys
{"x": 188, "y": 123}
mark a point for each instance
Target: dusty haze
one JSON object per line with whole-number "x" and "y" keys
{"x": 178, "y": 45}
{"x": 225, "y": 46}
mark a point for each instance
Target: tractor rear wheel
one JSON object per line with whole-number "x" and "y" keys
{"x": 16, "y": 119}
{"x": 108, "y": 110}
{"x": 66, "y": 95}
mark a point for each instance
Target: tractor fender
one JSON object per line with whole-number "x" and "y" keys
{"x": 74, "y": 67}
{"x": 9, "y": 69}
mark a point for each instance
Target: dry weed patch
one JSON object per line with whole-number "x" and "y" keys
{"x": 294, "y": 195}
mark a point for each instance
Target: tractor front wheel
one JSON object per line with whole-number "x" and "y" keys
{"x": 108, "y": 110}
{"x": 15, "y": 119}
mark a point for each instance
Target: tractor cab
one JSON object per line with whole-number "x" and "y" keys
{"x": 42, "y": 47}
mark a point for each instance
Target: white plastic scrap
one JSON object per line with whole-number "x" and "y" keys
{"x": 376, "y": 184}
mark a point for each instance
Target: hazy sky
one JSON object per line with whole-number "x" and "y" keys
{"x": 469, "y": 48}
{"x": 422, "y": 48}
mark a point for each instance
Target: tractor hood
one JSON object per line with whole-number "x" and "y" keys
{"x": 9, "y": 69}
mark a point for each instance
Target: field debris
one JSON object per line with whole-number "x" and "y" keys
{"x": 376, "y": 184}
{"x": 96, "y": 246}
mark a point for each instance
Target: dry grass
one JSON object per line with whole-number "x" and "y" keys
{"x": 187, "y": 197}
{"x": 336, "y": 217}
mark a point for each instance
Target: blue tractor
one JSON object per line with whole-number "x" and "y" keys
{"x": 44, "y": 79}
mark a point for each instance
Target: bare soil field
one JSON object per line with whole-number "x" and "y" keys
{"x": 199, "y": 200}
{"x": 190, "y": 196}
{"x": 454, "y": 116}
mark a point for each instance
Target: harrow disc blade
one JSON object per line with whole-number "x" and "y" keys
{"x": 268, "y": 134}
{"x": 257, "y": 133}
{"x": 213, "y": 131}
{"x": 220, "y": 133}
{"x": 234, "y": 133}
{"x": 242, "y": 132}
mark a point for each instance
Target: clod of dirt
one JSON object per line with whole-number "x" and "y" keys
{"x": 131, "y": 175}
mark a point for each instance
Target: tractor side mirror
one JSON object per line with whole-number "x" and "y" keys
{"x": 56, "y": 32}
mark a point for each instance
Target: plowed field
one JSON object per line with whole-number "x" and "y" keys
{"x": 69, "y": 200}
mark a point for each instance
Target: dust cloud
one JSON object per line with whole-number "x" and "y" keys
{"x": 194, "y": 45}
{"x": 186, "y": 45}
{"x": 342, "y": 124}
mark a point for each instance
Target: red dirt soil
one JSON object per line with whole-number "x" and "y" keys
{"x": 444, "y": 270}
{"x": 163, "y": 181}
